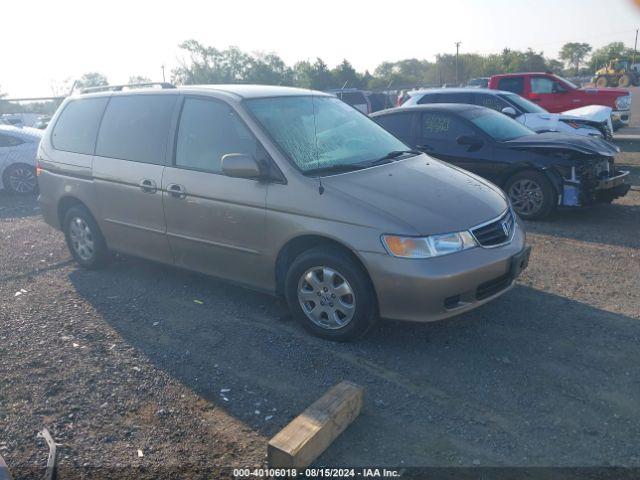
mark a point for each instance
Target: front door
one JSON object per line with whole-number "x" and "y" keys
{"x": 215, "y": 223}
{"x": 551, "y": 94}
{"x": 439, "y": 132}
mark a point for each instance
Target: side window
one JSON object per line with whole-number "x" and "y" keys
{"x": 398, "y": 123}
{"x": 10, "y": 141}
{"x": 77, "y": 126}
{"x": 543, "y": 85}
{"x": 512, "y": 84}
{"x": 208, "y": 130}
{"x": 135, "y": 127}
{"x": 428, "y": 98}
{"x": 353, "y": 98}
{"x": 457, "y": 97}
{"x": 440, "y": 126}
{"x": 490, "y": 101}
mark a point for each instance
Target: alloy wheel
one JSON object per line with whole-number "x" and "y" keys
{"x": 81, "y": 238}
{"x": 326, "y": 297}
{"x": 526, "y": 197}
{"x": 22, "y": 180}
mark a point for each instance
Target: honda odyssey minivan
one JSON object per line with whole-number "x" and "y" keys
{"x": 284, "y": 190}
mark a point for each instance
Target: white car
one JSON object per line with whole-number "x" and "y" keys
{"x": 593, "y": 120}
{"x": 18, "y": 148}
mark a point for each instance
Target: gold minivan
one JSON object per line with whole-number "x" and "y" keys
{"x": 284, "y": 190}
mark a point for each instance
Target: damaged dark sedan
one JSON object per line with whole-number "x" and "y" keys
{"x": 539, "y": 172}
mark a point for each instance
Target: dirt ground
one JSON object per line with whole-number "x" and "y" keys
{"x": 143, "y": 359}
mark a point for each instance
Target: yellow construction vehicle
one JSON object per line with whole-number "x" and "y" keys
{"x": 617, "y": 73}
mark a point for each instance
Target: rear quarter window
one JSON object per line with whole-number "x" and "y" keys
{"x": 135, "y": 127}
{"x": 512, "y": 84}
{"x": 77, "y": 126}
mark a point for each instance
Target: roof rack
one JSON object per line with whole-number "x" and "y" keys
{"x": 119, "y": 88}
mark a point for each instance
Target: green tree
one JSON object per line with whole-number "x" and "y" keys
{"x": 344, "y": 75}
{"x": 611, "y": 51}
{"x": 573, "y": 53}
{"x": 91, "y": 79}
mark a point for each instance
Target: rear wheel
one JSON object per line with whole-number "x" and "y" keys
{"x": 625, "y": 80}
{"x": 531, "y": 195}
{"x": 20, "y": 179}
{"x": 84, "y": 238}
{"x": 330, "y": 294}
{"x": 602, "y": 81}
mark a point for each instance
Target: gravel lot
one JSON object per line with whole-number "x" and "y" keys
{"x": 125, "y": 359}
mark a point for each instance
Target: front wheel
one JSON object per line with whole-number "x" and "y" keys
{"x": 602, "y": 81}
{"x": 20, "y": 179}
{"x": 531, "y": 195}
{"x": 330, "y": 294}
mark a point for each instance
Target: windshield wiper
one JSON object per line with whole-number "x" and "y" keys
{"x": 341, "y": 167}
{"x": 390, "y": 157}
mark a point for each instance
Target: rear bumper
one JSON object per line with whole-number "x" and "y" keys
{"x": 437, "y": 288}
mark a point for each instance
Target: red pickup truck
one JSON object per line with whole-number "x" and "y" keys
{"x": 557, "y": 94}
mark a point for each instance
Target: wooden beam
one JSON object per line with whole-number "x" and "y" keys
{"x": 310, "y": 433}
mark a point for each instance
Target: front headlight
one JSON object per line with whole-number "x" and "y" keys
{"x": 427, "y": 247}
{"x": 623, "y": 103}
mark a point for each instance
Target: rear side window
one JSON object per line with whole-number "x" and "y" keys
{"x": 76, "y": 128}
{"x": 511, "y": 84}
{"x": 208, "y": 130}
{"x": 457, "y": 97}
{"x": 398, "y": 123}
{"x": 135, "y": 127}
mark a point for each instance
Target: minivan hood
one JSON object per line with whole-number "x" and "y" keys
{"x": 424, "y": 193}
{"x": 563, "y": 141}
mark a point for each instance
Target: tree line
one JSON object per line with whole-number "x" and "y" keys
{"x": 209, "y": 65}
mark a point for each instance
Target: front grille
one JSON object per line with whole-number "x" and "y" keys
{"x": 490, "y": 288}
{"x": 496, "y": 232}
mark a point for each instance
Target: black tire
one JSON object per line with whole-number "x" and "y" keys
{"x": 541, "y": 194}
{"x": 363, "y": 299}
{"x": 602, "y": 81}
{"x": 81, "y": 216}
{"x": 20, "y": 179}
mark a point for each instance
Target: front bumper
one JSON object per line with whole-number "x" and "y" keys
{"x": 436, "y": 288}
{"x": 605, "y": 190}
{"x": 620, "y": 117}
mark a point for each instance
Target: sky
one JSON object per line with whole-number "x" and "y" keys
{"x": 45, "y": 42}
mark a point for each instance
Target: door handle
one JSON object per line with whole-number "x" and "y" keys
{"x": 176, "y": 190}
{"x": 425, "y": 148}
{"x": 148, "y": 186}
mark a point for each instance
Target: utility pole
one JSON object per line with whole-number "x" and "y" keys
{"x": 163, "y": 79}
{"x": 635, "y": 48}
{"x": 457, "y": 51}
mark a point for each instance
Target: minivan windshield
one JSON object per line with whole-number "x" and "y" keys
{"x": 499, "y": 127}
{"x": 325, "y": 134}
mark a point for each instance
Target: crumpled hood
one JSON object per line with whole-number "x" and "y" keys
{"x": 562, "y": 141}
{"x": 424, "y": 193}
{"x": 594, "y": 113}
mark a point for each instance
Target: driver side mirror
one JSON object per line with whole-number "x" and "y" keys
{"x": 470, "y": 140}
{"x": 509, "y": 111}
{"x": 240, "y": 165}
